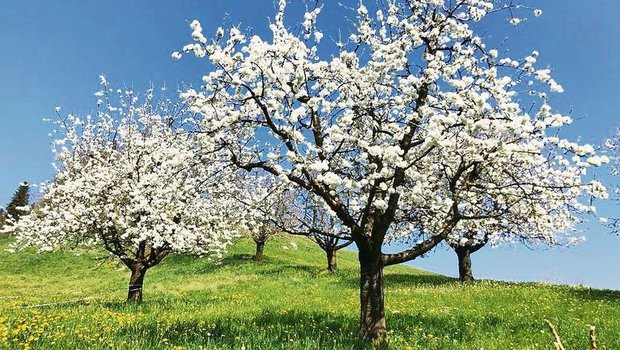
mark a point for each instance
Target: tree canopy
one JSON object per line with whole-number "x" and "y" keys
{"x": 415, "y": 130}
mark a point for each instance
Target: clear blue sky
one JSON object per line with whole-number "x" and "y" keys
{"x": 52, "y": 53}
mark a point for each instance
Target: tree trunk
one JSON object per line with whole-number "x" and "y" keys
{"x": 260, "y": 248}
{"x": 465, "y": 272}
{"x": 332, "y": 265}
{"x": 134, "y": 294}
{"x": 372, "y": 311}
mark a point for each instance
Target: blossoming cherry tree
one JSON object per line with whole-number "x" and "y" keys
{"x": 131, "y": 180}
{"x": 413, "y": 130}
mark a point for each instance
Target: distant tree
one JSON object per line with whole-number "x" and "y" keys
{"x": 313, "y": 219}
{"x": 512, "y": 222}
{"x": 467, "y": 243}
{"x": 331, "y": 240}
{"x": 260, "y": 238}
{"x": 2, "y": 219}
{"x": 276, "y": 207}
{"x": 131, "y": 180}
{"x": 19, "y": 202}
{"x": 267, "y": 203}
{"x": 612, "y": 148}
{"x": 464, "y": 249}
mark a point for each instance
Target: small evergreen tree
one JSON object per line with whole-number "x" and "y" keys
{"x": 21, "y": 198}
{"x": 2, "y": 218}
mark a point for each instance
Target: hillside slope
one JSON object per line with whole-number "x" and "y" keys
{"x": 287, "y": 301}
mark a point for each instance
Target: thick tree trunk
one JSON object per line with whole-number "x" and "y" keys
{"x": 260, "y": 248}
{"x": 134, "y": 294}
{"x": 372, "y": 313}
{"x": 332, "y": 265}
{"x": 465, "y": 272}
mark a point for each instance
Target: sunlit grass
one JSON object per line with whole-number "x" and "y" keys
{"x": 287, "y": 301}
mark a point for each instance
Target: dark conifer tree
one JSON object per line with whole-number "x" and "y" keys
{"x": 21, "y": 198}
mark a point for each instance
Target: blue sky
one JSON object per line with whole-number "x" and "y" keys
{"x": 53, "y": 53}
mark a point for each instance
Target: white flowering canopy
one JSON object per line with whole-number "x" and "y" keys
{"x": 266, "y": 203}
{"x": 413, "y": 130}
{"x": 131, "y": 179}
{"x": 310, "y": 216}
{"x": 611, "y": 146}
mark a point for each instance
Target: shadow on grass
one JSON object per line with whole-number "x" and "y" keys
{"x": 588, "y": 294}
{"x": 189, "y": 265}
{"x": 404, "y": 280}
{"x": 284, "y": 268}
{"x": 149, "y": 305}
{"x": 268, "y": 330}
{"x": 417, "y": 280}
{"x": 303, "y": 330}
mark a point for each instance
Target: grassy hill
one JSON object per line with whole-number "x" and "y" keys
{"x": 68, "y": 301}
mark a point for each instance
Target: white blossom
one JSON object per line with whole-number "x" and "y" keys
{"x": 415, "y": 135}
{"x": 132, "y": 180}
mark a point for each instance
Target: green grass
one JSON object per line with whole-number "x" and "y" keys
{"x": 288, "y": 301}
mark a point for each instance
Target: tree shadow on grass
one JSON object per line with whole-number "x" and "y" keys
{"x": 243, "y": 263}
{"x": 315, "y": 330}
{"x": 151, "y": 305}
{"x": 283, "y": 268}
{"x": 190, "y": 265}
{"x": 589, "y": 294}
{"x": 406, "y": 280}
{"x": 268, "y": 330}
{"x": 417, "y": 280}
{"x": 275, "y": 266}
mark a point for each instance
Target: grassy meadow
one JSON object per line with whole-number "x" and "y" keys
{"x": 287, "y": 301}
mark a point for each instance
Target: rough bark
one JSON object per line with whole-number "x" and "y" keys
{"x": 466, "y": 274}
{"x": 332, "y": 265}
{"x": 260, "y": 249}
{"x": 372, "y": 314}
{"x": 136, "y": 281}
